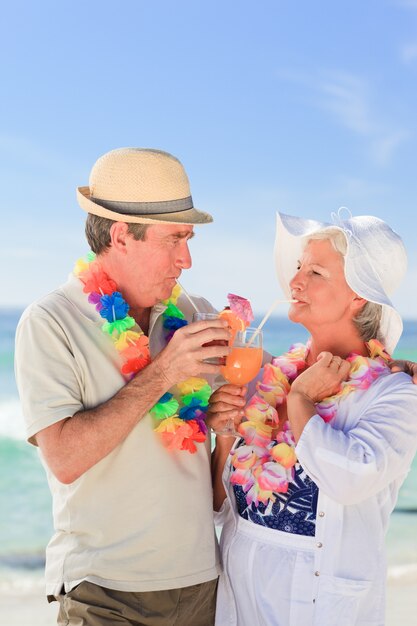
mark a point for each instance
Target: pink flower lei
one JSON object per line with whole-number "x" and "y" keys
{"x": 181, "y": 413}
{"x": 264, "y": 466}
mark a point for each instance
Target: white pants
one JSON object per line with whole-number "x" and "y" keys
{"x": 268, "y": 577}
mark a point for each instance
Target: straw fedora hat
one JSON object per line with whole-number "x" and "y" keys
{"x": 142, "y": 186}
{"x": 375, "y": 260}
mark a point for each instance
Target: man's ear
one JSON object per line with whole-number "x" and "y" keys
{"x": 119, "y": 232}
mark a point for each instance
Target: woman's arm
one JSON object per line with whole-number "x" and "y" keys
{"x": 218, "y": 461}
{"x": 354, "y": 465}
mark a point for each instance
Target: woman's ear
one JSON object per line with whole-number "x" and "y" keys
{"x": 358, "y": 303}
{"x": 119, "y": 232}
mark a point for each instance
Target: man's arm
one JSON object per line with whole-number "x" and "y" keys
{"x": 409, "y": 367}
{"x": 73, "y": 445}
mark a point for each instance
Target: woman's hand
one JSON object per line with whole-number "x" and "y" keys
{"x": 323, "y": 379}
{"x": 225, "y": 404}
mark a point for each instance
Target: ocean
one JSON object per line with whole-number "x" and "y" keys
{"x": 25, "y": 503}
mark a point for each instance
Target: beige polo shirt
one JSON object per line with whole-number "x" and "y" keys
{"x": 140, "y": 519}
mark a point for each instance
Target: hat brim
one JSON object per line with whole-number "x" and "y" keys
{"x": 189, "y": 216}
{"x": 290, "y": 234}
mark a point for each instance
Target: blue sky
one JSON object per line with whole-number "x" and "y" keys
{"x": 270, "y": 105}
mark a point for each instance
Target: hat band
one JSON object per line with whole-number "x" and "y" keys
{"x": 145, "y": 208}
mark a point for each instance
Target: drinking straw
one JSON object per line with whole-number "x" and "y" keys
{"x": 267, "y": 314}
{"x": 187, "y": 295}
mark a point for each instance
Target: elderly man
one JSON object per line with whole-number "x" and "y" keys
{"x": 127, "y": 463}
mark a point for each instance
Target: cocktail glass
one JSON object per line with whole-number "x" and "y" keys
{"x": 215, "y": 360}
{"x": 242, "y": 365}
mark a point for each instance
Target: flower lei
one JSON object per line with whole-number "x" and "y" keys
{"x": 181, "y": 412}
{"x": 264, "y": 466}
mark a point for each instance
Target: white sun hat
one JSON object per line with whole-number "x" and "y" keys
{"x": 375, "y": 260}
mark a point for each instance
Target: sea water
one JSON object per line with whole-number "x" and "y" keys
{"x": 25, "y": 503}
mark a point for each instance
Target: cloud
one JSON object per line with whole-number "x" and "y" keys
{"x": 409, "y": 52}
{"x": 347, "y": 97}
{"x": 350, "y": 100}
{"x": 408, "y": 4}
{"x": 383, "y": 147}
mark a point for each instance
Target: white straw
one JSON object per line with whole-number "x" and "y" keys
{"x": 267, "y": 314}
{"x": 187, "y": 295}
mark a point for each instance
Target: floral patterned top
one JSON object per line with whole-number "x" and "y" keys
{"x": 291, "y": 512}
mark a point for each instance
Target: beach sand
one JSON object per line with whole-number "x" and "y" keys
{"x": 401, "y": 603}
{"x": 32, "y": 608}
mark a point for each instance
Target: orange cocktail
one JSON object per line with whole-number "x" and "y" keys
{"x": 242, "y": 365}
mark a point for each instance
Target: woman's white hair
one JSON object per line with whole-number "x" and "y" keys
{"x": 368, "y": 319}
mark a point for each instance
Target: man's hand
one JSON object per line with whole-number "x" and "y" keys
{"x": 225, "y": 404}
{"x": 409, "y": 367}
{"x": 184, "y": 355}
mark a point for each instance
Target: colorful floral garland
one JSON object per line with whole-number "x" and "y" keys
{"x": 265, "y": 466}
{"x": 181, "y": 412}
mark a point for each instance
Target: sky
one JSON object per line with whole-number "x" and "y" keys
{"x": 273, "y": 105}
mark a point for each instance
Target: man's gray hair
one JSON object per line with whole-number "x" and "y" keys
{"x": 97, "y": 231}
{"x": 368, "y": 320}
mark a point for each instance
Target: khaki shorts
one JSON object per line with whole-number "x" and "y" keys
{"x": 92, "y": 605}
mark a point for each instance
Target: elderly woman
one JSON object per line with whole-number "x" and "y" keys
{"x": 306, "y": 493}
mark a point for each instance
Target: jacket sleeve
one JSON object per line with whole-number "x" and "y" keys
{"x": 353, "y": 465}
